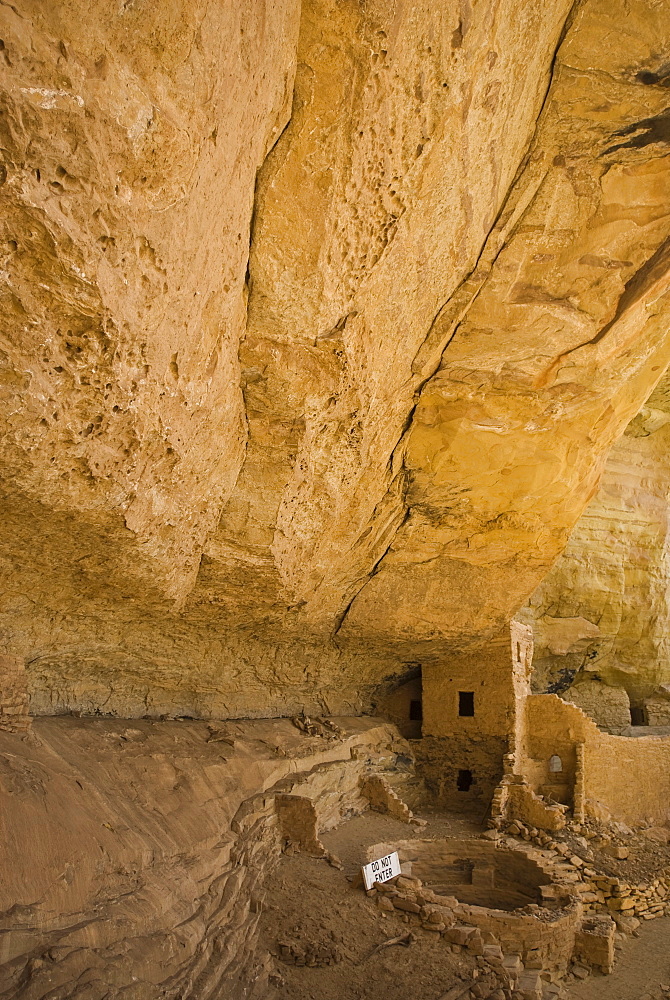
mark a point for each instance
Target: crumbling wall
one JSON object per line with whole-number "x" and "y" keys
{"x": 14, "y": 699}
{"x": 517, "y": 799}
{"x": 547, "y": 945}
{"x": 488, "y": 887}
{"x": 619, "y": 777}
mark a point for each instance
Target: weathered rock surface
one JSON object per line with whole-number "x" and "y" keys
{"x": 131, "y": 141}
{"x": 245, "y": 481}
{"x": 146, "y": 881}
{"x": 606, "y": 597}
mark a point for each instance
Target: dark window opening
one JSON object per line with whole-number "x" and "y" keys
{"x": 638, "y": 716}
{"x": 466, "y": 702}
{"x": 464, "y": 781}
{"x": 415, "y": 710}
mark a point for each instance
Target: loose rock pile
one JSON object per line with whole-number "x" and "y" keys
{"x": 600, "y": 892}
{"x": 314, "y": 954}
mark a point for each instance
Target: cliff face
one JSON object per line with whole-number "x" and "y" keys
{"x": 602, "y": 612}
{"x": 318, "y": 324}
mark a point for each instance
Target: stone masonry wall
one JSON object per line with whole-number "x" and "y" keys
{"x": 637, "y": 789}
{"x": 542, "y": 936}
{"x": 14, "y": 700}
{"x": 441, "y": 759}
{"x": 599, "y": 892}
{"x": 454, "y": 742}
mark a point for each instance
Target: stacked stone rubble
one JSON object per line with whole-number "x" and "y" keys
{"x": 14, "y": 699}
{"x": 600, "y": 892}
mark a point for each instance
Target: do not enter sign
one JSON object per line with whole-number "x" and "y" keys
{"x": 381, "y": 870}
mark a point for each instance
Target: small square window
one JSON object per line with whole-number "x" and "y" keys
{"x": 466, "y": 702}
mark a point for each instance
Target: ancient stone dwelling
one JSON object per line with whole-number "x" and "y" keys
{"x": 334, "y": 499}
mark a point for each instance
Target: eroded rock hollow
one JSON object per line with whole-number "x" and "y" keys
{"x": 333, "y": 336}
{"x": 319, "y": 322}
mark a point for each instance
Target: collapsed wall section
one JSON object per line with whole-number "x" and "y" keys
{"x": 14, "y": 698}
{"x": 635, "y": 790}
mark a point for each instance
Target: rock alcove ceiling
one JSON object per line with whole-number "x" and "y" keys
{"x": 319, "y": 322}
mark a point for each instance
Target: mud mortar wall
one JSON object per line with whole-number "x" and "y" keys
{"x": 622, "y": 778}
{"x": 146, "y": 879}
{"x": 454, "y": 742}
{"x": 14, "y": 698}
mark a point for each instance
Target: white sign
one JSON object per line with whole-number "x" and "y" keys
{"x": 381, "y": 870}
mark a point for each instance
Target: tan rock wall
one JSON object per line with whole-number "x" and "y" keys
{"x": 157, "y": 840}
{"x": 608, "y": 706}
{"x": 131, "y": 143}
{"x": 611, "y": 580}
{"x": 239, "y": 477}
{"x": 496, "y": 454}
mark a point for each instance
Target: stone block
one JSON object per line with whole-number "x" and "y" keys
{"x": 460, "y": 934}
{"x": 594, "y": 943}
{"x": 475, "y": 944}
{"x": 529, "y": 986}
{"x": 438, "y": 915}
{"x": 406, "y": 905}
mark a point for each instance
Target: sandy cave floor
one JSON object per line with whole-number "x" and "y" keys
{"x": 313, "y": 908}
{"x": 642, "y": 970}
{"x": 313, "y": 905}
